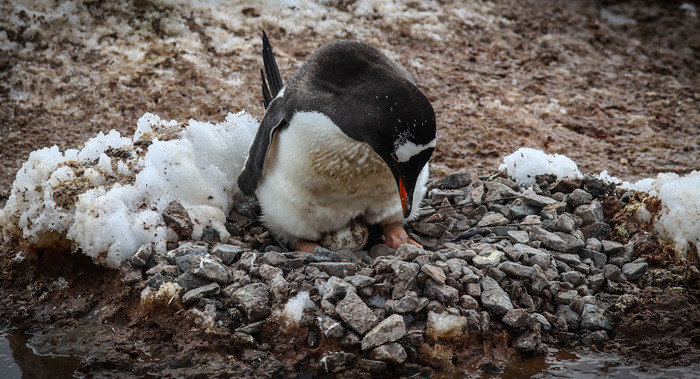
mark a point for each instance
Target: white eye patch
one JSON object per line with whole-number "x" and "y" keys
{"x": 407, "y": 150}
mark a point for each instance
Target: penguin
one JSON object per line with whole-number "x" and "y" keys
{"x": 349, "y": 136}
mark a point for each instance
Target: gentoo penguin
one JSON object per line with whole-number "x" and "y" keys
{"x": 349, "y": 136}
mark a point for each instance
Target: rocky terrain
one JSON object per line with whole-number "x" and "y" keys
{"x": 505, "y": 273}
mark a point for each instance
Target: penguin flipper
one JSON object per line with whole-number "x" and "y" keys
{"x": 273, "y": 121}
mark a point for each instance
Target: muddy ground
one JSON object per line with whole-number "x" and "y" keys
{"x": 613, "y": 85}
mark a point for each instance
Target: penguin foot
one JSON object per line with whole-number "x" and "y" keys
{"x": 305, "y": 246}
{"x": 395, "y": 236}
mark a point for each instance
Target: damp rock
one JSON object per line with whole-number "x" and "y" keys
{"x": 634, "y": 270}
{"x": 494, "y": 298}
{"x": 176, "y": 217}
{"x": 254, "y": 300}
{"x": 391, "y": 353}
{"x": 389, "y": 330}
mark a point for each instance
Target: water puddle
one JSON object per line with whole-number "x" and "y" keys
{"x": 17, "y": 360}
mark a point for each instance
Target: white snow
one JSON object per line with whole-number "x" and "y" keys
{"x": 445, "y": 326}
{"x": 526, "y": 163}
{"x": 679, "y": 219}
{"x": 294, "y": 309}
{"x": 109, "y": 206}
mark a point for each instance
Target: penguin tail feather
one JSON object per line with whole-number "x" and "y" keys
{"x": 271, "y": 72}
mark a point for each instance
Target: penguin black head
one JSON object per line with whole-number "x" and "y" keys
{"x": 406, "y": 138}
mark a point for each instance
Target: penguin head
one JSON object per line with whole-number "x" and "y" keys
{"x": 406, "y": 140}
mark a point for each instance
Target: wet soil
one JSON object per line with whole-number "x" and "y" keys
{"x": 565, "y": 77}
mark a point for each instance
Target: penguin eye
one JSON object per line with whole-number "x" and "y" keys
{"x": 396, "y": 157}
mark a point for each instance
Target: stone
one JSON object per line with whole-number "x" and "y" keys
{"x": 595, "y": 282}
{"x": 380, "y": 250}
{"x": 468, "y": 302}
{"x": 517, "y": 318}
{"x": 330, "y": 327}
{"x": 176, "y": 217}
{"x": 527, "y": 342}
{"x": 407, "y": 304}
{"x": 339, "y": 269}
{"x": 516, "y": 270}
{"x": 391, "y": 353}
{"x": 254, "y": 299}
{"x": 336, "y": 289}
{"x": 549, "y": 240}
{"x": 564, "y": 224}
{"x": 493, "y": 219}
{"x": 494, "y": 298}
{"x": 372, "y": 366}
{"x": 574, "y": 277}
{"x": 612, "y": 272}
{"x": 321, "y": 254}
{"x": 164, "y": 269}
{"x": 634, "y": 270}
{"x": 189, "y": 281}
{"x": 210, "y": 235}
{"x": 404, "y": 271}
{"x": 578, "y": 197}
{"x": 566, "y": 297}
{"x": 497, "y": 191}
{"x": 573, "y": 320}
{"x": 611, "y": 247}
{"x": 531, "y": 198}
{"x": 518, "y": 236}
{"x": 359, "y": 281}
{"x": 474, "y": 289}
{"x": 142, "y": 255}
{"x": 408, "y": 252}
{"x": 335, "y": 362}
{"x": 130, "y": 274}
{"x": 452, "y": 181}
{"x": 590, "y": 213}
{"x": 210, "y": 268}
{"x": 208, "y": 290}
{"x": 599, "y": 230}
{"x": 227, "y": 253}
{"x": 441, "y": 292}
{"x": 569, "y": 259}
{"x": 390, "y": 329}
{"x": 487, "y": 258}
{"x": 599, "y": 259}
{"x": 274, "y": 258}
{"x": 595, "y": 318}
{"x": 430, "y": 229}
{"x": 356, "y": 314}
{"x": 435, "y": 273}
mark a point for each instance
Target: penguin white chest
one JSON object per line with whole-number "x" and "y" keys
{"x": 317, "y": 179}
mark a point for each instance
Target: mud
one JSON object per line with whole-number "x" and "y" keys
{"x": 611, "y": 95}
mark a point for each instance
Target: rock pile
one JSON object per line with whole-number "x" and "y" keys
{"x": 535, "y": 265}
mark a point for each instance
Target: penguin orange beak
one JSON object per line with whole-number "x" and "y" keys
{"x": 404, "y": 199}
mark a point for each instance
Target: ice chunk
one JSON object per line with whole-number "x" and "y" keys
{"x": 294, "y": 309}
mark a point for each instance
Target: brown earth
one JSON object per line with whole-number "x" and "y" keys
{"x": 559, "y": 76}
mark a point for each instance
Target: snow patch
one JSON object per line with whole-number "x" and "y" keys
{"x": 294, "y": 309}
{"x": 526, "y": 163}
{"x": 108, "y": 197}
{"x": 443, "y": 326}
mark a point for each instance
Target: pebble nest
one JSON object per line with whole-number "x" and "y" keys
{"x": 536, "y": 266}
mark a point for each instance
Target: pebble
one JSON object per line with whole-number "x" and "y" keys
{"x": 516, "y": 270}
{"x": 390, "y": 329}
{"x": 356, "y": 313}
{"x": 437, "y": 274}
{"x": 392, "y": 353}
{"x": 487, "y": 258}
{"x": 634, "y": 270}
{"x": 208, "y": 290}
{"x": 594, "y": 318}
{"x": 254, "y": 299}
{"x": 494, "y": 298}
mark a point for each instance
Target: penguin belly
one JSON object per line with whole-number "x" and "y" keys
{"x": 317, "y": 179}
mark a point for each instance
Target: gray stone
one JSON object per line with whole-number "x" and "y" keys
{"x": 130, "y": 274}
{"x": 209, "y": 290}
{"x": 188, "y": 281}
{"x": 564, "y": 224}
{"x": 494, "y": 298}
{"x": 612, "y": 272}
{"x": 391, "y": 353}
{"x": 359, "y": 281}
{"x": 254, "y": 299}
{"x": 408, "y": 252}
{"x": 594, "y": 244}
{"x": 274, "y": 258}
{"x": 497, "y": 191}
{"x": 371, "y": 366}
{"x": 541, "y": 260}
{"x": 518, "y": 209}
{"x": 566, "y": 297}
{"x": 468, "y": 302}
{"x": 435, "y": 273}
{"x": 527, "y": 342}
{"x": 569, "y": 259}
{"x": 405, "y": 270}
{"x": 531, "y": 198}
{"x": 210, "y": 268}
{"x": 611, "y": 247}
{"x": 549, "y": 240}
{"x": 321, "y": 254}
{"x": 599, "y": 259}
{"x": 574, "y": 277}
{"x": 407, "y": 304}
{"x": 268, "y": 272}
{"x": 493, "y": 219}
{"x": 441, "y": 292}
{"x": 474, "y": 289}
{"x": 155, "y": 281}
{"x": 227, "y": 253}
{"x": 634, "y": 270}
{"x": 540, "y": 319}
{"x": 590, "y": 213}
{"x": 355, "y": 313}
{"x": 578, "y": 197}
{"x": 595, "y": 282}
{"x": 330, "y": 327}
{"x": 573, "y": 320}
{"x": 339, "y": 269}
{"x": 518, "y": 236}
{"x": 516, "y": 270}
{"x": 430, "y": 229}
{"x": 457, "y": 266}
{"x": 336, "y": 289}
{"x": 390, "y": 329}
{"x": 595, "y": 318}
{"x": 142, "y": 255}
{"x": 164, "y": 269}
{"x": 517, "y": 318}
{"x": 487, "y": 258}
{"x": 599, "y": 230}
